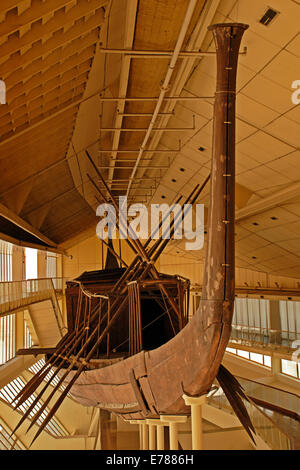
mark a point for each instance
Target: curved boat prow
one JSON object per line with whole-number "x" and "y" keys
{"x": 195, "y": 354}
{"x": 190, "y": 361}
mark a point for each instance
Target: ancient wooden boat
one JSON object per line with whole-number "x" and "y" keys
{"x": 147, "y": 376}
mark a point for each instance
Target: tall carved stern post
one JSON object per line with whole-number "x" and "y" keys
{"x": 219, "y": 274}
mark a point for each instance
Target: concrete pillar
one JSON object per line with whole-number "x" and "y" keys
{"x": 276, "y": 364}
{"x": 152, "y": 445}
{"x": 172, "y": 421}
{"x": 17, "y": 263}
{"x": 196, "y": 417}
{"x": 159, "y": 442}
{"x": 160, "y": 437}
{"x": 145, "y": 445}
{"x": 139, "y": 422}
{"x": 274, "y": 322}
{"x": 42, "y": 264}
{"x": 141, "y": 435}
{"x": 19, "y": 330}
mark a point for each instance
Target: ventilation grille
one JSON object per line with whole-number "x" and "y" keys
{"x": 269, "y": 16}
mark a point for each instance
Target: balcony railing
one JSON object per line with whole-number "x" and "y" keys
{"x": 17, "y": 294}
{"x": 249, "y": 335}
{"x": 273, "y": 397}
{"x": 264, "y": 426}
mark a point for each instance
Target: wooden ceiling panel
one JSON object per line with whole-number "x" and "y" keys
{"x": 41, "y": 84}
{"x": 60, "y": 58}
{"x": 74, "y": 225}
{"x": 27, "y": 167}
{"x": 37, "y": 134}
{"x": 40, "y": 113}
{"x": 42, "y": 193}
{"x": 38, "y": 29}
{"x": 157, "y": 28}
{"x": 40, "y": 105}
{"x": 68, "y": 217}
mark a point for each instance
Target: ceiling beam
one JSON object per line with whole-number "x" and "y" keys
{"x": 267, "y": 203}
{"x": 38, "y": 133}
{"x": 57, "y": 40}
{"x": 42, "y": 83}
{"x": 39, "y": 102}
{"x": 19, "y": 197}
{"x": 195, "y": 43}
{"x": 17, "y": 242}
{"x": 41, "y": 95}
{"x": 40, "y": 30}
{"x": 58, "y": 58}
{"x": 8, "y": 5}
{"x": 15, "y": 219}
{"x": 66, "y": 106}
{"x": 50, "y": 167}
{"x": 37, "y": 144}
{"x": 52, "y": 108}
{"x": 33, "y": 13}
{"x": 131, "y": 12}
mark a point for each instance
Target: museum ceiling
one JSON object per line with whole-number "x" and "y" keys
{"x": 66, "y": 74}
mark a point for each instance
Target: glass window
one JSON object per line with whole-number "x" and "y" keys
{"x": 267, "y": 361}
{"x": 244, "y": 354}
{"x": 51, "y": 265}
{"x": 256, "y": 358}
{"x": 8, "y": 442}
{"x": 27, "y": 336}
{"x": 289, "y": 368}
{"x": 9, "y": 392}
{"x": 5, "y": 261}
{"x": 31, "y": 263}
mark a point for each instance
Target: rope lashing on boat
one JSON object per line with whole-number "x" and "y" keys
{"x": 90, "y": 294}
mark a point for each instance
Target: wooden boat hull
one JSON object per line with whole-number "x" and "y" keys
{"x": 153, "y": 382}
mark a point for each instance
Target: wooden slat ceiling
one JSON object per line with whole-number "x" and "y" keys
{"x": 267, "y": 150}
{"x": 47, "y": 49}
{"x": 157, "y": 28}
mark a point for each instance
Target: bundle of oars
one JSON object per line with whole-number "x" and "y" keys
{"x": 135, "y": 323}
{"x": 94, "y": 327}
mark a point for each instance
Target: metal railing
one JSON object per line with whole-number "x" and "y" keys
{"x": 271, "y": 395}
{"x": 17, "y": 294}
{"x": 264, "y": 426}
{"x": 245, "y": 334}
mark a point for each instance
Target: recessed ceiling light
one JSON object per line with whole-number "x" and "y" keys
{"x": 182, "y": 169}
{"x": 254, "y": 257}
{"x": 255, "y": 223}
{"x": 163, "y": 197}
{"x": 202, "y": 149}
{"x": 269, "y": 16}
{"x": 173, "y": 180}
{"x": 274, "y": 218}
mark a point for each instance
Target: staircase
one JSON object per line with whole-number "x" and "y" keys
{"x": 39, "y": 297}
{"x": 277, "y": 428}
